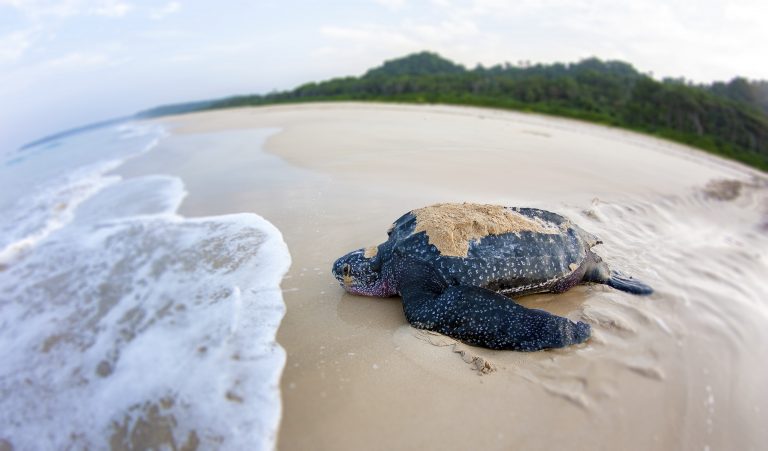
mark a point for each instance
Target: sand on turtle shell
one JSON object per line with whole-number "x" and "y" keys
{"x": 371, "y": 251}
{"x": 450, "y": 227}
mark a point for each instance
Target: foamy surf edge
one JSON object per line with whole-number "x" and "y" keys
{"x": 50, "y": 203}
{"x": 130, "y": 326}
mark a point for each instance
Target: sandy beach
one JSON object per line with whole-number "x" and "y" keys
{"x": 681, "y": 369}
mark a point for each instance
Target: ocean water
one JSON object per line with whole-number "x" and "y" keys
{"x": 124, "y": 325}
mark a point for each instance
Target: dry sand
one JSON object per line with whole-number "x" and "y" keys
{"x": 681, "y": 369}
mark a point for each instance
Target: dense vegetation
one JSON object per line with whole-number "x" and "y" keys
{"x": 729, "y": 119}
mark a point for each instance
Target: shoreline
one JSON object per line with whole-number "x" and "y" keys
{"x": 639, "y": 137}
{"x": 358, "y": 376}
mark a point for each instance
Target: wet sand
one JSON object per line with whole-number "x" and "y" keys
{"x": 681, "y": 369}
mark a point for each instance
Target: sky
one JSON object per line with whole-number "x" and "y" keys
{"x": 67, "y": 63}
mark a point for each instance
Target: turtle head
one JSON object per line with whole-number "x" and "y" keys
{"x": 360, "y": 272}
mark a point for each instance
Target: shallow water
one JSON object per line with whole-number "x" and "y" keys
{"x": 123, "y": 324}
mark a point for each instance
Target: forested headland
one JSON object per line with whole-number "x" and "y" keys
{"x": 725, "y": 118}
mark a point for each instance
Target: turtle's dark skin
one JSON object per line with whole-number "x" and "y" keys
{"x": 462, "y": 287}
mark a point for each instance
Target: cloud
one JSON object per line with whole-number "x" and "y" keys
{"x": 408, "y": 32}
{"x": 704, "y": 42}
{"x": 111, "y": 8}
{"x": 67, "y": 8}
{"x": 165, "y": 34}
{"x": 392, "y": 4}
{"x": 366, "y": 43}
{"x": 369, "y": 44}
{"x": 160, "y": 13}
{"x": 40, "y": 8}
{"x": 369, "y": 33}
{"x": 14, "y": 45}
{"x": 78, "y": 60}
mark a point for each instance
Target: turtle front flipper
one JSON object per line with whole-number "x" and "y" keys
{"x": 482, "y": 317}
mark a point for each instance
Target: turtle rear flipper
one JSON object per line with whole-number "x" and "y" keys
{"x": 628, "y": 284}
{"x": 481, "y": 317}
{"x": 598, "y": 272}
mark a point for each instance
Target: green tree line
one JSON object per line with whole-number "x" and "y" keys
{"x": 725, "y": 118}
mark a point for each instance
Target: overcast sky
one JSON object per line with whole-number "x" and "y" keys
{"x": 69, "y": 62}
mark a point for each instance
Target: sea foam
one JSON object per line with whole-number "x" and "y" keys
{"x": 125, "y": 325}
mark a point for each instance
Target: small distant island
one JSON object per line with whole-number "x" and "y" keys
{"x": 726, "y": 118}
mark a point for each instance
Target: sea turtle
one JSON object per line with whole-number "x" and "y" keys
{"x": 457, "y": 265}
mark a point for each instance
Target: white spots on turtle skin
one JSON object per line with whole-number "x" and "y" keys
{"x": 525, "y": 265}
{"x": 472, "y": 315}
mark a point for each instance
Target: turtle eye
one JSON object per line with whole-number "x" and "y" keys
{"x": 346, "y": 270}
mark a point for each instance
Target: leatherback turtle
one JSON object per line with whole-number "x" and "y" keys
{"x": 457, "y": 265}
